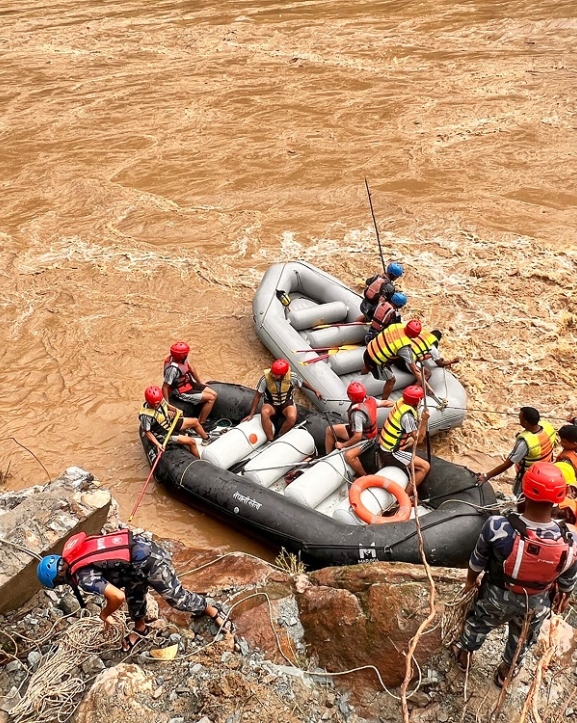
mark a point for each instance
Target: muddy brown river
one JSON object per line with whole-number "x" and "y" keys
{"x": 156, "y": 158}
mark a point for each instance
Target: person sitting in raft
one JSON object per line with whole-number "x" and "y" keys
{"x": 425, "y": 346}
{"x": 156, "y": 417}
{"x": 183, "y": 381}
{"x": 277, "y": 384}
{"x": 567, "y": 511}
{"x": 403, "y": 426}
{"x": 386, "y": 313}
{"x": 360, "y": 434}
{"x": 567, "y": 458}
{"x": 392, "y": 344}
{"x": 533, "y": 444}
{"x": 379, "y": 285}
{"x": 103, "y": 564}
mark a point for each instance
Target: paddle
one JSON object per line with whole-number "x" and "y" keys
{"x": 376, "y": 227}
{"x": 322, "y": 348}
{"x": 348, "y": 323}
{"x": 347, "y": 347}
{"x": 156, "y": 461}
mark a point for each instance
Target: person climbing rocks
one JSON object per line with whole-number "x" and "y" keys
{"x": 277, "y": 384}
{"x": 567, "y": 457}
{"x": 403, "y": 426}
{"x": 360, "y": 434}
{"x": 425, "y": 346}
{"x": 391, "y": 345}
{"x": 182, "y": 381}
{"x": 533, "y": 444}
{"x": 122, "y": 566}
{"x": 156, "y": 417}
{"x": 386, "y": 313}
{"x": 526, "y": 561}
{"x": 379, "y": 285}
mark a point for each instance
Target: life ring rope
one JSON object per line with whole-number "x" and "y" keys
{"x": 375, "y": 480}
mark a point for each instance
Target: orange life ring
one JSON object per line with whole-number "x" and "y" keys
{"x": 375, "y": 480}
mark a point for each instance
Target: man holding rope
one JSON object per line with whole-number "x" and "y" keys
{"x": 103, "y": 564}
{"x": 529, "y": 563}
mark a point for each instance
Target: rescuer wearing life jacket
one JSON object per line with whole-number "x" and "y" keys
{"x": 534, "y": 444}
{"x": 360, "y": 434}
{"x": 156, "y": 416}
{"x": 404, "y": 425}
{"x": 379, "y": 285}
{"x": 183, "y": 381}
{"x": 567, "y": 457}
{"x": 277, "y": 384}
{"x": 103, "y": 564}
{"x": 386, "y": 313}
{"x": 391, "y": 345}
{"x": 425, "y": 346}
{"x": 527, "y": 561}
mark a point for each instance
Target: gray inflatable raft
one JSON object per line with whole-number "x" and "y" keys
{"x": 321, "y": 314}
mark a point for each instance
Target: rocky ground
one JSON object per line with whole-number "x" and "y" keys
{"x": 308, "y": 647}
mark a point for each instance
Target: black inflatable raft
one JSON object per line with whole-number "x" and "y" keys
{"x": 450, "y": 528}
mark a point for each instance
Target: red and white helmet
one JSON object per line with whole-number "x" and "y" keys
{"x": 153, "y": 395}
{"x": 279, "y": 367}
{"x": 180, "y": 350}
{"x": 356, "y": 392}
{"x": 544, "y": 482}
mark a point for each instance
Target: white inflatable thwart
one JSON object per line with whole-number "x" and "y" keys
{"x": 236, "y": 444}
{"x": 305, "y": 318}
{"x": 279, "y": 457}
{"x": 320, "y": 480}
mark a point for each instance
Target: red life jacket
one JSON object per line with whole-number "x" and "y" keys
{"x": 184, "y": 382}
{"x": 373, "y": 288}
{"x": 535, "y": 563}
{"x": 368, "y": 408}
{"x": 385, "y": 314}
{"x": 80, "y": 550}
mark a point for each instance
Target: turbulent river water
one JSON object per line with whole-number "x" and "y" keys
{"x": 157, "y": 157}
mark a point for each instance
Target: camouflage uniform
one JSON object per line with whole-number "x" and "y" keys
{"x": 150, "y": 566}
{"x": 495, "y": 605}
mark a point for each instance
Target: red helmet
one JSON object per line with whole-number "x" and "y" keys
{"x": 412, "y": 395}
{"x": 180, "y": 350}
{"x": 279, "y": 367}
{"x": 153, "y": 395}
{"x": 413, "y": 328}
{"x": 356, "y": 392}
{"x": 544, "y": 482}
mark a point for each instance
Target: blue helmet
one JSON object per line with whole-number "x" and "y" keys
{"x": 398, "y": 299}
{"x": 394, "y": 270}
{"x": 47, "y": 570}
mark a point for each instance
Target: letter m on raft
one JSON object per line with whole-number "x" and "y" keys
{"x": 367, "y": 554}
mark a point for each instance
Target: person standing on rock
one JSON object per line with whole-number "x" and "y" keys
{"x": 533, "y": 444}
{"x": 104, "y": 564}
{"x": 527, "y": 560}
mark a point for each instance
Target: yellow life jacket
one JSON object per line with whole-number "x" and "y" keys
{"x": 393, "y": 433}
{"x": 275, "y": 393}
{"x": 386, "y": 345}
{"x": 422, "y": 344}
{"x": 540, "y": 446}
{"x": 567, "y": 463}
{"x": 159, "y": 416}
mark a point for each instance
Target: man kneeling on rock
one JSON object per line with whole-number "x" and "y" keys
{"x": 103, "y": 564}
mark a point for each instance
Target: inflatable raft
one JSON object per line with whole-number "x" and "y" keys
{"x": 321, "y": 314}
{"x": 242, "y": 478}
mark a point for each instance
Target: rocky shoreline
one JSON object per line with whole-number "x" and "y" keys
{"x": 317, "y": 646}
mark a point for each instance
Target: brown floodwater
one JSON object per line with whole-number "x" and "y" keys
{"x": 157, "y": 157}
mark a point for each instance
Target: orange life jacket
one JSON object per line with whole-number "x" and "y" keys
{"x": 535, "y": 563}
{"x": 368, "y": 408}
{"x": 385, "y": 314}
{"x": 80, "y": 550}
{"x": 373, "y": 288}
{"x": 386, "y": 345}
